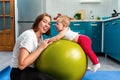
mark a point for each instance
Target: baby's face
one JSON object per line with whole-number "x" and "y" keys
{"x": 59, "y": 26}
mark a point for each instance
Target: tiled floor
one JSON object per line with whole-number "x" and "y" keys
{"x": 106, "y": 64}
{"x": 5, "y": 59}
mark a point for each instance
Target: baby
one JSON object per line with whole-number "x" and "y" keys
{"x": 62, "y": 25}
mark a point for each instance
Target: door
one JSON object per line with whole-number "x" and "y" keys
{"x": 7, "y": 31}
{"x": 96, "y": 36}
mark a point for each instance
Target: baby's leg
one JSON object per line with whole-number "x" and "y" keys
{"x": 85, "y": 43}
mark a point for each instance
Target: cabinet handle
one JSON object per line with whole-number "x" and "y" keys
{"x": 114, "y": 23}
{"x": 76, "y": 24}
{"x": 53, "y": 24}
{"x": 106, "y": 24}
{"x": 93, "y": 24}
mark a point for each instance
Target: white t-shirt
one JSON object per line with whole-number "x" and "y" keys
{"x": 70, "y": 35}
{"x": 27, "y": 40}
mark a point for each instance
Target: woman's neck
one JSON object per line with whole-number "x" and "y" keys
{"x": 38, "y": 35}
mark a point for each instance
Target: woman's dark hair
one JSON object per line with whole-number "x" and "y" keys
{"x": 38, "y": 20}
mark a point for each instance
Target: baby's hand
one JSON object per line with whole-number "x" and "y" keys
{"x": 50, "y": 40}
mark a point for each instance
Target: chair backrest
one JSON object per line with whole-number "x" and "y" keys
{"x": 5, "y": 73}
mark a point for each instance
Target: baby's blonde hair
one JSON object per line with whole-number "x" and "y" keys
{"x": 65, "y": 20}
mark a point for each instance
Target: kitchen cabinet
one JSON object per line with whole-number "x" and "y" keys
{"x": 112, "y": 38}
{"x": 80, "y": 27}
{"x": 91, "y": 29}
{"x": 96, "y": 36}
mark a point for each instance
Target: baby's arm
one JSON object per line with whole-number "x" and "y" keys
{"x": 59, "y": 35}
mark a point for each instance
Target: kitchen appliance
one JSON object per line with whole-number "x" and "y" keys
{"x": 115, "y": 14}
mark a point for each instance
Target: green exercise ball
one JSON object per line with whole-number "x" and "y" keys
{"x": 64, "y": 60}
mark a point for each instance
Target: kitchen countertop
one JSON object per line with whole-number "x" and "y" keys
{"x": 94, "y": 20}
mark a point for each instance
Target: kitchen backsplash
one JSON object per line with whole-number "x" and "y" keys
{"x": 70, "y": 7}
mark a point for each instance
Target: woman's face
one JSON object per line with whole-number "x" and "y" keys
{"x": 44, "y": 25}
{"x": 59, "y": 26}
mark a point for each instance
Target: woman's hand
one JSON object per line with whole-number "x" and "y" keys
{"x": 52, "y": 39}
{"x": 45, "y": 43}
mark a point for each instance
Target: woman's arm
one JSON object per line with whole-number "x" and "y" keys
{"x": 26, "y": 58}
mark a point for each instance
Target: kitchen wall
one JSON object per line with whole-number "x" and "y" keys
{"x": 29, "y": 9}
{"x": 70, "y": 7}
{"x": 119, "y": 6}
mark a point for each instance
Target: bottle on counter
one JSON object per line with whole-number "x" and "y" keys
{"x": 91, "y": 15}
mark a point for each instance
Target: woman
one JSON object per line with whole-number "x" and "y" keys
{"x": 28, "y": 47}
